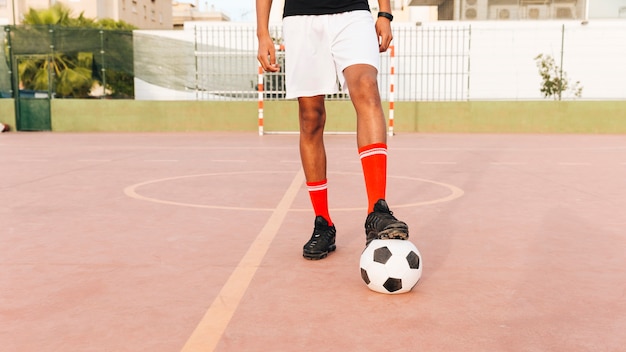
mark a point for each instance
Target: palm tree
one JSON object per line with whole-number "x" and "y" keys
{"x": 70, "y": 73}
{"x": 66, "y": 73}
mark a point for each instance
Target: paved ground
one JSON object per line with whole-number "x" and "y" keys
{"x": 192, "y": 242}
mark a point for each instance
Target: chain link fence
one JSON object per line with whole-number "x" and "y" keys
{"x": 67, "y": 62}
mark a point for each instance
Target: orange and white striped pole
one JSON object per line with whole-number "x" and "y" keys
{"x": 260, "y": 96}
{"x": 392, "y": 79}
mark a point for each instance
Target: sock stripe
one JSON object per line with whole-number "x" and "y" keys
{"x": 317, "y": 186}
{"x": 373, "y": 151}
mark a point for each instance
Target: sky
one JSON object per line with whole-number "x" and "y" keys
{"x": 237, "y": 10}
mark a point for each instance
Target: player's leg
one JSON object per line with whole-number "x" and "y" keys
{"x": 310, "y": 73}
{"x": 358, "y": 59}
{"x": 371, "y": 135}
{"x": 362, "y": 80}
{"x": 312, "y": 118}
{"x": 371, "y": 139}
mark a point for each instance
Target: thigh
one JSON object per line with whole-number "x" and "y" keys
{"x": 355, "y": 42}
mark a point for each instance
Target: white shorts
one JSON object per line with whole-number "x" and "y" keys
{"x": 319, "y": 47}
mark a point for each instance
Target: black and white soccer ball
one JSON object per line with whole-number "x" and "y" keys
{"x": 391, "y": 266}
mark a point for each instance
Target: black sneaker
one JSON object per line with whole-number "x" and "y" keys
{"x": 322, "y": 241}
{"x": 381, "y": 224}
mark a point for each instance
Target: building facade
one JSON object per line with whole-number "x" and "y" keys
{"x": 515, "y": 10}
{"x": 506, "y": 10}
{"x": 187, "y": 12}
{"x": 145, "y": 14}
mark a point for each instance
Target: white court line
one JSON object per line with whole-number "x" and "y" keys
{"x": 573, "y": 164}
{"x": 209, "y": 331}
{"x": 93, "y": 160}
{"x": 228, "y": 161}
{"x": 161, "y": 160}
{"x": 508, "y": 163}
{"x": 438, "y": 162}
{"x": 132, "y": 191}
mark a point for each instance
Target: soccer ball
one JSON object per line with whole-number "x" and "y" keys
{"x": 391, "y": 266}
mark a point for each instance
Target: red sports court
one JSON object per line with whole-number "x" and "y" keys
{"x": 193, "y": 242}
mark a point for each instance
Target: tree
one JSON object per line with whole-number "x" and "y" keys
{"x": 70, "y": 73}
{"x": 554, "y": 80}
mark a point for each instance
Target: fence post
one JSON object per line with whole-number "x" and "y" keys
{"x": 561, "y": 65}
{"x": 260, "y": 95}
{"x": 392, "y": 70}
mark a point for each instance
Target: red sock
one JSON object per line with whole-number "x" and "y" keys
{"x": 318, "y": 191}
{"x": 374, "y": 163}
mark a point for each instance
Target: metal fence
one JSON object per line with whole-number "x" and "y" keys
{"x": 218, "y": 62}
{"x": 6, "y": 90}
{"x": 225, "y": 62}
{"x": 430, "y": 64}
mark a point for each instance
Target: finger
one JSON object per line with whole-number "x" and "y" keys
{"x": 271, "y": 66}
{"x": 388, "y": 43}
{"x": 384, "y": 42}
{"x": 272, "y": 58}
{"x": 263, "y": 60}
{"x": 268, "y": 62}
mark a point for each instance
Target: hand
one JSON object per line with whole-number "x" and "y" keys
{"x": 267, "y": 55}
{"x": 383, "y": 30}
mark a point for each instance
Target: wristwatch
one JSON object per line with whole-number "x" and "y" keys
{"x": 386, "y": 15}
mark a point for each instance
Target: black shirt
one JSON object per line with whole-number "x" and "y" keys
{"x": 322, "y": 7}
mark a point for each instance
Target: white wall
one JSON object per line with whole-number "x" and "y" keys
{"x": 503, "y": 66}
{"x": 607, "y": 9}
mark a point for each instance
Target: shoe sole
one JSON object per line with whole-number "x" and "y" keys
{"x": 393, "y": 234}
{"x": 318, "y": 256}
{"x": 396, "y": 231}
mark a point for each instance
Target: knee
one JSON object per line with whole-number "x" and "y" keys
{"x": 365, "y": 86}
{"x": 312, "y": 121}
